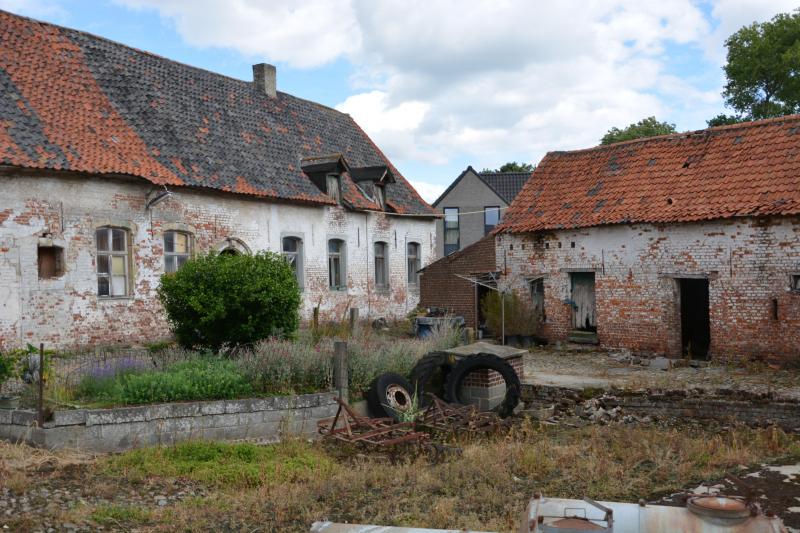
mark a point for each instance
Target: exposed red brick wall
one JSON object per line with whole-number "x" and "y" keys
{"x": 441, "y": 287}
{"x": 748, "y": 263}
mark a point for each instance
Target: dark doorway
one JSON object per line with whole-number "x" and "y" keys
{"x": 481, "y": 293}
{"x": 695, "y": 322}
{"x": 583, "y": 301}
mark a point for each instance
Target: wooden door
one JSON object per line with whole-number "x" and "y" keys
{"x": 583, "y": 301}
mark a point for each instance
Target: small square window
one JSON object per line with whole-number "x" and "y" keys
{"x": 796, "y": 282}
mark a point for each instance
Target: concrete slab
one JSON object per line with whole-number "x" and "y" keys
{"x": 569, "y": 381}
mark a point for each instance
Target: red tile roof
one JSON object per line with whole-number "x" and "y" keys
{"x": 744, "y": 169}
{"x": 74, "y": 101}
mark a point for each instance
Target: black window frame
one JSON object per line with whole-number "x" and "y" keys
{"x": 487, "y": 228}
{"x": 451, "y": 248}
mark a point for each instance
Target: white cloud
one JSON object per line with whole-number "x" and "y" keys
{"x": 489, "y": 80}
{"x": 429, "y": 191}
{"x": 33, "y": 8}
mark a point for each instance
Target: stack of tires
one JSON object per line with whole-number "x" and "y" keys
{"x": 442, "y": 375}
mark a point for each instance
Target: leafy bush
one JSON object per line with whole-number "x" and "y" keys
{"x": 520, "y": 317}
{"x": 223, "y": 300}
{"x": 201, "y": 378}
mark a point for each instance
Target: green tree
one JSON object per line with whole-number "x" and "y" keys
{"x": 723, "y": 120}
{"x": 513, "y": 166}
{"x": 763, "y": 68}
{"x": 647, "y": 127}
{"x": 222, "y": 300}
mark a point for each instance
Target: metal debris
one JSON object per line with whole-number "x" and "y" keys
{"x": 455, "y": 418}
{"x": 348, "y": 426}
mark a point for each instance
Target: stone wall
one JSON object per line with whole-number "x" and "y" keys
{"x": 65, "y": 210}
{"x": 119, "y": 429}
{"x": 724, "y": 406}
{"x": 748, "y": 262}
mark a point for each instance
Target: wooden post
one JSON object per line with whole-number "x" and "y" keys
{"x": 40, "y": 400}
{"x": 340, "y": 369}
{"x": 353, "y": 320}
{"x": 315, "y": 319}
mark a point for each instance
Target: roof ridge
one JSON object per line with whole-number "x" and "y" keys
{"x": 677, "y": 135}
{"x": 157, "y": 56}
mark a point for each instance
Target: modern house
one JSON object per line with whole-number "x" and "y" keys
{"x": 472, "y": 206}
{"x": 117, "y": 165}
{"x": 685, "y": 244}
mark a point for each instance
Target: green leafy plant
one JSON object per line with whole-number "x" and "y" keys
{"x": 222, "y": 300}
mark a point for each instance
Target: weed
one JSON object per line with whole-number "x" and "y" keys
{"x": 117, "y": 515}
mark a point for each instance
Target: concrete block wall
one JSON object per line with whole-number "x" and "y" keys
{"x": 120, "y": 429}
{"x": 748, "y": 262}
{"x": 66, "y": 312}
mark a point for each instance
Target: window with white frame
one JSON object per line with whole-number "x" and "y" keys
{"x": 292, "y": 250}
{"x": 113, "y": 262}
{"x": 413, "y": 258}
{"x": 177, "y": 250}
{"x": 336, "y": 264}
{"x": 381, "y": 265}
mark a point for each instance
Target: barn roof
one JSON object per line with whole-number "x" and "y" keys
{"x": 746, "y": 169}
{"x": 75, "y": 101}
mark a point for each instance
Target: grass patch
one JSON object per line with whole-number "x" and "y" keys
{"x": 118, "y": 515}
{"x": 227, "y": 465}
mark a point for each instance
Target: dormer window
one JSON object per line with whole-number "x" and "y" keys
{"x": 334, "y": 187}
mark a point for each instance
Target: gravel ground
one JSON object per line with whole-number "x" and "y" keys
{"x": 582, "y": 368}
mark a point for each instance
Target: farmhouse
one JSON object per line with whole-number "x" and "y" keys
{"x": 118, "y": 165}
{"x": 685, "y": 244}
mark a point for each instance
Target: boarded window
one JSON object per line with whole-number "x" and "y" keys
{"x": 381, "y": 265}
{"x": 491, "y": 217}
{"x": 51, "y": 260}
{"x": 380, "y": 195}
{"x": 113, "y": 262}
{"x": 336, "y": 264}
{"x": 177, "y": 250}
{"x": 292, "y": 250}
{"x": 413, "y": 263}
{"x": 334, "y": 186}
{"x": 451, "y": 230}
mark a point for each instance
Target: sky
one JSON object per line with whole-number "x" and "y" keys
{"x": 443, "y": 84}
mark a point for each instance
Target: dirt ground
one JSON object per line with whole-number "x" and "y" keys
{"x": 579, "y": 367}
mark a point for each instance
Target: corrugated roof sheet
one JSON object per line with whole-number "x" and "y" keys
{"x": 729, "y": 171}
{"x": 74, "y": 101}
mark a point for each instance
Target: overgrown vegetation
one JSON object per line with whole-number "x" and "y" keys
{"x": 222, "y": 300}
{"x": 268, "y": 368}
{"x": 201, "y": 378}
{"x": 225, "y": 465}
{"x": 520, "y": 318}
{"x": 288, "y": 486}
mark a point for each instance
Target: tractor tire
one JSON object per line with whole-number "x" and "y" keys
{"x": 389, "y": 395}
{"x": 483, "y": 361}
{"x": 428, "y": 376}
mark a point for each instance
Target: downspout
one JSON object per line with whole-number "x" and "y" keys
{"x": 366, "y": 264}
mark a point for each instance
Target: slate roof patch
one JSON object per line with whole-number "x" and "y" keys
{"x": 75, "y": 101}
{"x": 746, "y": 169}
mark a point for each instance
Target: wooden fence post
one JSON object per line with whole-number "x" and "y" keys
{"x": 40, "y": 399}
{"x": 340, "y": 369}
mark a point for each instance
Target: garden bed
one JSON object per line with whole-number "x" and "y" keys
{"x": 119, "y": 429}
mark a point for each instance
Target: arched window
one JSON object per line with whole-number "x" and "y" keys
{"x": 177, "y": 249}
{"x": 381, "y": 265}
{"x": 337, "y": 278}
{"x": 113, "y": 262}
{"x": 413, "y": 257}
{"x": 292, "y": 250}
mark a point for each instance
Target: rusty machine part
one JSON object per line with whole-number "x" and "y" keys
{"x": 455, "y": 418}
{"x": 347, "y": 426}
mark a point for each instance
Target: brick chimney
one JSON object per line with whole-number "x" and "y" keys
{"x": 264, "y": 79}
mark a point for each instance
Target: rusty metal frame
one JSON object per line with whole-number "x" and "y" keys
{"x": 357, "y": 429}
